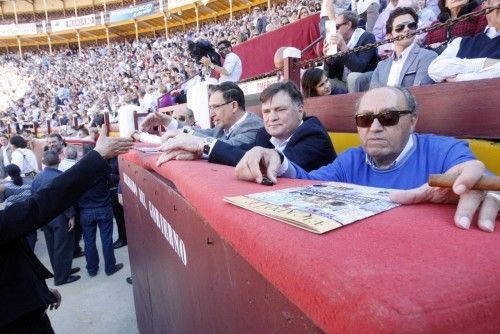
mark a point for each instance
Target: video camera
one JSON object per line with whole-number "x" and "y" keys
{"x": 203, "y": 48}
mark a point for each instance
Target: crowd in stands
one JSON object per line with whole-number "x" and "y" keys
{"x": 73, "y": 85}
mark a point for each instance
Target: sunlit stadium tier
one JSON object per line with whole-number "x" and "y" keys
{"x": 47, "y": 22}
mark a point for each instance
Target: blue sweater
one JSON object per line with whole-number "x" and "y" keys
{"x": 431, "y": 154}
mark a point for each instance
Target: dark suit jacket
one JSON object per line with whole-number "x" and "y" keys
{"x": 364, "y": 61}
{"x": 22, "y": 276}
{"x": 43, "y": 180}
{"x": 310, "y": 147}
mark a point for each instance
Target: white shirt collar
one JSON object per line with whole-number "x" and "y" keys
{"x": 403, "y": 54}
{"x": 279, "y": 144}
{"x": 491, "y": 32}
{"x": 401, "y": 157}
{"x": 355, "y": 38}
{"x": 235, "y": 125}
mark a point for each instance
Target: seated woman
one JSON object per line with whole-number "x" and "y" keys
{"x": 315, "y": 82}
{"x": 438, "y": 39}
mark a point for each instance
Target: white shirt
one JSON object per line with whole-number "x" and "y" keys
{"x": 356, "y": 34}
{"x": 66, "y": 164}
{"x": 397, "y": 66}
{"x": 233, "y": 66}
{"x": 25, "y": 159}
{"x": 448, "y": 65}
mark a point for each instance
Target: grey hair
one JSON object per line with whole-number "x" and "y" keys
{"x": 70, "y": 152}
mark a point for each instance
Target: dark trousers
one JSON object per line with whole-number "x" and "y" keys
{"x": 60, "y": 244}
{"x": 119, "y": 216}
{"x": 78, "y": 232}
{"x": 90, "y": 220}
{"x": 36, "y": 322}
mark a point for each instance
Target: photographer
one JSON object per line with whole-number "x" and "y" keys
{"x": 231, "y": 71}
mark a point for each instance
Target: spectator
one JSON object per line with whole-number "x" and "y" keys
{"x": 96, "y": 212}
{"x": 59, "y": 234}
{"x": 286, "y": 129}
{"x": 392, "y": 156}
{"x": 231, "y": 71}
{"x": 23, "y": 157}
{"x": 314, "y": 82}
{"x": 368, "y": 11}
{"x": 186, "y": 116}
{"x": 438, "y": 39}
{"x": 6, "y": 153}
{"x": 259, "y": 21}
{"x": 227, "y": 108}
{"x": 70, "y": 154}
{"x": 17, "y": 189}
{"x": 345, "y": 70}
{"x": 408, "y": 67}
{"x": 471, "y": 58}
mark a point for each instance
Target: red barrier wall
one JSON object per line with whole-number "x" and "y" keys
{"x": 407, "y": 270}
{"x": 257, "y": 54}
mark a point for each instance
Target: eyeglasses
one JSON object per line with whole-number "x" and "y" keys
{"x": 337, "y": 26}
{"x": 180, "y": 118}
{"x": 401, "y": 27}
{"x": 217, "y": 106}
{"x": 222, "y": 48}
{"x": 388, "y": 118}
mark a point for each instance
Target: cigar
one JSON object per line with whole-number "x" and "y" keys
{"x": 486, "y": 182}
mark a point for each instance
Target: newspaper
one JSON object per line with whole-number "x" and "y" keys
{"x": 318, "y": 208}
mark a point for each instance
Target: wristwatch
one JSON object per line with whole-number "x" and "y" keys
{"x": 207, "y": 143}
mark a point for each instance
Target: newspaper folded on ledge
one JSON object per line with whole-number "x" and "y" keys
{"x": 318, "y": 208}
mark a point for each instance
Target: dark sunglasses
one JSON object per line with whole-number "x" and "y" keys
{"x": 388, "y": 118}
{"x": 401, "y": 27}
{"x": 180, "y": 118}
{"x": 337, "y": 26}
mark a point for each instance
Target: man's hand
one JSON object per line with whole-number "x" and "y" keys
{"x": 58, "y": 297}
{"x": 176, "y": 155}
{"x": 71, "y": 224}
{"x": 110, "y": 147}
{"x": 339, "y": 41}
{"x": 183, "y": 142}
{"x": 259, "y": 162}
{"x": 155, "y": 119}
{"x": 468, "y": 200}
{"x": 206, "y": 61}
{"x": 170, "y": 134}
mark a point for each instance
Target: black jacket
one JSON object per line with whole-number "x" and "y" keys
{"x": 363, "y": 61}
{"x": 22, "y": 275}
{"x": 310, "y": 147}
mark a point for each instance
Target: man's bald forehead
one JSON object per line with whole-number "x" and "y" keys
{"x": 385, "y": 93}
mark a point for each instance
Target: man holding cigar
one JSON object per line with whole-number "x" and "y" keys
{"x": 392, "y": 156}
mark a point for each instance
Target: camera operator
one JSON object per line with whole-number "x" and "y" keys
{"x": 231, "y": 71}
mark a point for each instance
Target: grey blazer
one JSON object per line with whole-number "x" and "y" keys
{"x": 413, "y": 73}
{"x": 244, "y": 133}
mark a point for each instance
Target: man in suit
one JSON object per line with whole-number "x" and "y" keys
{"x": 408, "y": 66}
{"x": 59, "y": 233}
{"x": 301, "y": 139}
{"x": 226, "y": 104}
{"x": 345, "y": 70}
{"x": 23, "y": 291}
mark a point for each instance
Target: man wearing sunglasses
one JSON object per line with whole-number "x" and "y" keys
{"x": 233, "y": 124}
{"x": 392, "y": 156}
{"x": 409, "y": 63}
{"x": 346, "y": 69}
{"x": 231, "y": 71}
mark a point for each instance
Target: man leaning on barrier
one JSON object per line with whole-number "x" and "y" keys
{"x": 302, "y": 139}
{"x": 392, "y": 156}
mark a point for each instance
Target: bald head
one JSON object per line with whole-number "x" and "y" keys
{"x": 278, "y": 57}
